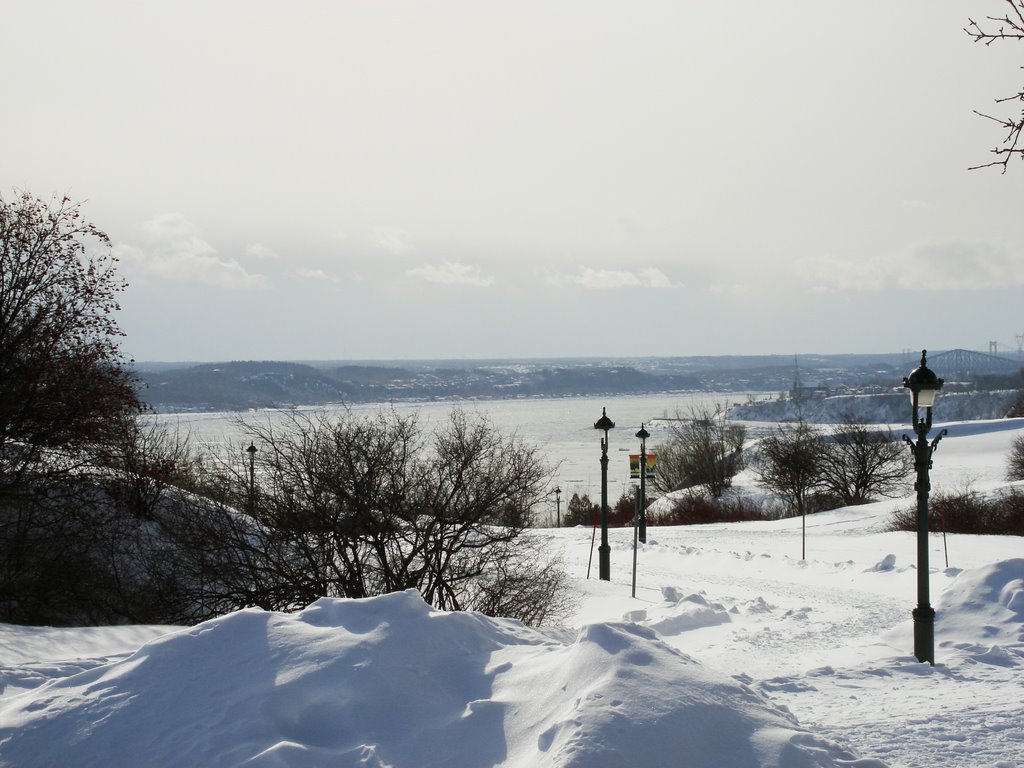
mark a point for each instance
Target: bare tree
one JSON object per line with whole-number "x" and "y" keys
{"x": 1015, "y": 461}
{"x": 1010, "y": 26}
{"x": 703, "y": 449}
{"x": 859, "y": 463}
{"x": 790, "y": 463}
{"x": 356, "y": 506}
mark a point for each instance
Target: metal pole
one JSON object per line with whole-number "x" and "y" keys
{"x": 924, "y": 614}
{"x": 923, "y": 384}
{"x": 636, "y": 536}
{"x": 642, "y": 512}
{"x": 593, "y": 534}
{"x": 604, "y": 551}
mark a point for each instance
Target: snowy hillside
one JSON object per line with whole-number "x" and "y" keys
{"x": 875, "y": 409}
{"x": 734, "y": 653}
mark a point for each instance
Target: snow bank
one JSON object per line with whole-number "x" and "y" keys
{"x": 984, "y": 605}
{"x": 390, "y": 682}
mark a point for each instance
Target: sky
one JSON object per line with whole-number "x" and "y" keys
{"x": 395, "y": 179}
{"x": 799, "y": 662}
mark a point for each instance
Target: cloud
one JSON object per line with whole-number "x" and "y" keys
{"x": 452, "y": 273}
{"x": 935, "y": 267}
{"x": 318, "y": 275}
{"x": 393, "y": 241}
{"x": 260, "y": 251}
{"x": 733, "y": 290}
{"x": 610, "y": 279}
{"x": 177, "y": 252}
{"x": 959, "y": 267}
{"x": 831, "y": 274}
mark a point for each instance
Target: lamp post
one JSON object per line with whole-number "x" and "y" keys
{"x": 643, "y": 434}
{"x": 923, "y": 385}
{"x": 251, "y": 450}
{"x": 604, "y": 551}
{"x": 558, "y": 507}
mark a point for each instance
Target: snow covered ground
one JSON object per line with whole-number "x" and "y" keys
{"x": 734, "y": 653}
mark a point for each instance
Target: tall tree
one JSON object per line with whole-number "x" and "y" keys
{"x": 64, "y": 391}
{"x": 63, "y": 379}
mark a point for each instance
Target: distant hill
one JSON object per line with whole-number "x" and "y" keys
{"x": 263, "y": 384}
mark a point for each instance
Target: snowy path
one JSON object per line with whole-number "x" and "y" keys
{"x": 831, "y": 638}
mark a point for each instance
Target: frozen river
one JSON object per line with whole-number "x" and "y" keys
{"x": 563, "y": 429}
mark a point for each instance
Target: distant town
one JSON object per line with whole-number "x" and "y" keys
{"x": 242, "y": 385}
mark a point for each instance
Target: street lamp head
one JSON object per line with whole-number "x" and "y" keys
{"x": 558, "y": 491}
{"x": 923, "y": 384}
{"x": 604, "y": 423}
{"x": 643, "y": 434}
{"x": 251, "y": 450}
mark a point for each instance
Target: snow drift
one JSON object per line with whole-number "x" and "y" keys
{"x": 389, "y": 681}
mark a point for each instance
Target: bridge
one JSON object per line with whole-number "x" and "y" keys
{"x": 964, "y": 361}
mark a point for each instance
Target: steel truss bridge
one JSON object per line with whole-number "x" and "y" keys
{"x": 964, "y": 361}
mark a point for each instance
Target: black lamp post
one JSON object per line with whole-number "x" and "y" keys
{"x": 558, "y": 507}
{"x": 643, "y": 434}
{"x": 923, "y": 385}
{"x": 604, "y": 551}
{"x": 251, "y": 450}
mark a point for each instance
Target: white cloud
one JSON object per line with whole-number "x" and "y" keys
{"x": 260, "y": 251}
{"x": 451, "y": 272}
{"x": 831, "y": 274}
{"x": 610, "y": 279}
{"x": 318, "y": 275}
{"x": 935, "y": 267}
{"x": 733, "y": 290}
{"x": 655, "y": 278}
{"x": 393, "y": 241}
{"x": 958, "y": 267}
{"x": 177, "y": 252}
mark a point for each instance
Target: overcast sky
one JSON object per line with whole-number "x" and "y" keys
{"x": 471, "y": 179}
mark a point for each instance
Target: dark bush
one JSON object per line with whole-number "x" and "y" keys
{"x": 696, "y": 509}
{"x": 968, "y": 512}
{"x": 1015, "y": 461}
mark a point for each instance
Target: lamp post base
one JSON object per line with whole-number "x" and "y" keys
{"x": 924, "y": 634}
{"x": 604, "y": 562}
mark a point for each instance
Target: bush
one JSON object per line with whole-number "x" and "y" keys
{"x": 1015, "y": 463}
{"x": 968, "y": 512}
{"x": 698, "y": 509}
{"x": 703, "y": 450}
{"x": 358, "y": 506}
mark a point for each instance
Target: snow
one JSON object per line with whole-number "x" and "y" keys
{"x": 734, "y": 653}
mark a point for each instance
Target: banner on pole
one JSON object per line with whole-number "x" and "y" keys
{"x": 634, "y": 465}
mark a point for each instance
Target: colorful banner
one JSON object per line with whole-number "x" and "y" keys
{"x": 634, "y": 465}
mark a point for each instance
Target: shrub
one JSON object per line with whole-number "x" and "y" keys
{"x": 968, "y": 511}
{"x": 1015, "y": 463}
{"x": 698, "y": 509}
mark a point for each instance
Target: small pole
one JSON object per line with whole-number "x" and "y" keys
{"x": 593, "y": 535}
{"x": 945, "y": 548}
{"x": 636, "y": 537}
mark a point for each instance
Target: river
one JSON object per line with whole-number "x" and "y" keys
{"x": 562, "y": 429}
